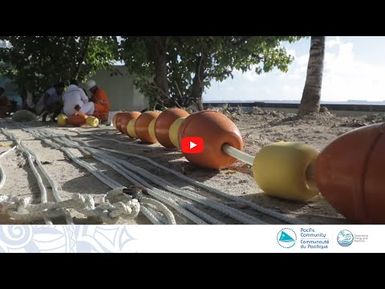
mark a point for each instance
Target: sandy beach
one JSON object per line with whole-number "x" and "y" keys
{"x": 258, "y": 127}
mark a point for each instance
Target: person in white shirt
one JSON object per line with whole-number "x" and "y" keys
{"x": 74, "y": 96}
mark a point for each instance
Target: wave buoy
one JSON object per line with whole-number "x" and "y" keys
{"x": 142, "y": 126}
{"x": 216, "y": 130}
{"x": 163, "y": 124}
{"x": 350, "y": 173}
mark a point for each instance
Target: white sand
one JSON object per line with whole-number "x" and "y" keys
{"x": 258, "y": 129}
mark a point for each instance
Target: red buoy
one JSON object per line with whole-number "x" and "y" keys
{"x": 141, "y": 126}
{"x": 216, "y": 130}
{"x": 350, "y": 174}
{"x": 163, "y": 123}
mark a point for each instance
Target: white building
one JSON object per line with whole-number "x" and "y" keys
{"x": 120, "y": 90}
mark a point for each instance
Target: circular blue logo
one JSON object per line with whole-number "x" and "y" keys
{"x": 286, "y": 238}
{"x": 345, "y": 238}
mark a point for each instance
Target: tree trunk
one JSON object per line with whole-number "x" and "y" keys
{"x": 198, "y": 84}
{"x": 82, "y": 56}
{"x": 311, "y": 96}
{"x": 160, "y": 62}
{"x": 157, "y": 49}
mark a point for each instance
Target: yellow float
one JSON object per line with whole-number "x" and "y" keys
{"x": 282, "y": 170}
{"x": 62, "y": 119}
{"x": 173, "y": 132}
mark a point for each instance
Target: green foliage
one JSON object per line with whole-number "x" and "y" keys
{"x": 102, "y": 52}
{"x": 137, "y": 54}
{"x": 37, "y": 62}
{"x": 193, "y": 62}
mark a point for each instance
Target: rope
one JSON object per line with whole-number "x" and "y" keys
{"x": 3, "y": 154}
{"x": 109, "y": 212}
{"x": 235, "y": 214}
{"x": 154, "y": 192}
{"x": 152, "y": 215}
{"x": 3, "y": 176}
{"x": 132, "y": 172}
{"x": 169, "y": 216}
{"x": 237, "y": 154}
{"x": 103, "y": 178}
{"x": 126, "y": 142}
{"x": 43, "y": 191}
{"x": 231, "y": 212}
{"x": 169, "y": 199}
{"x": 237, "y": 199}
{"x": 54, "y": 186}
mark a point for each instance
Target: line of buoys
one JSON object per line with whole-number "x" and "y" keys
{"x": 280, "y": 169}
{"x": 349, "y": 172}
{"x": 171, "y": 125}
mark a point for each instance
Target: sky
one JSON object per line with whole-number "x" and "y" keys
{"x": 354, "y": 69}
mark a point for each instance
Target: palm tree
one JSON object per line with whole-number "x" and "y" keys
{"x": 311, "y": 96}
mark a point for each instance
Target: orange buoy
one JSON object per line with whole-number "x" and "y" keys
{"x": 350, "y": 174}
{"x": 77, "y": 119}
{"x": 216, "y": 130}
{"x": 115, "y": 117}
{"x": 123, "y": 118}
{"x": 163, "y": 123}
{"x": 142, "y": 124}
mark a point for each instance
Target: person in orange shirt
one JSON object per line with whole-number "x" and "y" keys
{"x": 100, "y": 98}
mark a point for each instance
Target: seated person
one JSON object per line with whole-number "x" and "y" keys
{"x": 5, "y": 104}
{"x": 75, "y": 96}
{"x": 53, "y": 101}
{"x": 99, "y": 97}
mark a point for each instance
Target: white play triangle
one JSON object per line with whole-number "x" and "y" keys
{"x": 192, "y": 145}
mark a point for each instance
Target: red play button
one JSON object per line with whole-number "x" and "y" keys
{"x": 192, "y": 145}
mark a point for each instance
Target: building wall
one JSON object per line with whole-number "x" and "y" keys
{"x": 120, "y": 89}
